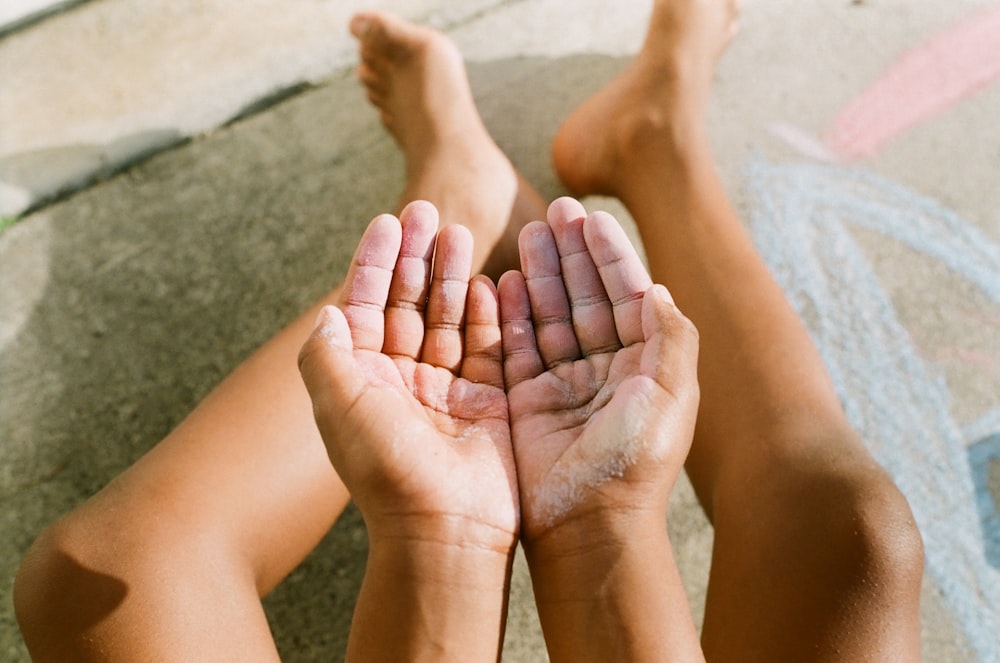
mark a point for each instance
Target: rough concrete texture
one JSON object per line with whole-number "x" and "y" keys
{"x": 115, "y": 80}
{"x": 123, "y": 304}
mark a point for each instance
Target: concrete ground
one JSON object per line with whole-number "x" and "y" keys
{"x": 179, "y": 178}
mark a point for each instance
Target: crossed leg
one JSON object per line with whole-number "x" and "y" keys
{"x": 816, "y": 554}
{"x": 168, "y": 561}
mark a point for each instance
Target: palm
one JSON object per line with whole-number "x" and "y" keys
{"x": 600, "y": 399}
{"x": 557, "y": 408}
{"x": 407, "y": 382}
{"x": 442, "y": 441}
{"x": 559, "y": 415}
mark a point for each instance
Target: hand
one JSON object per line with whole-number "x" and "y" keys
{"x": 407, "y": 386}
{"x": 601, "y": 376}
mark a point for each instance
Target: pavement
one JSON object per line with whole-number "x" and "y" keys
{"x": 178, "y": 178}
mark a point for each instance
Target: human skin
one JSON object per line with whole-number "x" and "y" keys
{"x": 435, "y": 481}
{"x": 232, "y": 500}
{"x": 600, "y": 368}
{"x": 816, "y": 553}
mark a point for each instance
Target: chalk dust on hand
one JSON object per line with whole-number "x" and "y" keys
{"x": 610, "y": 446}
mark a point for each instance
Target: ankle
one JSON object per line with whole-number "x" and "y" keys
{"x": 674, "y": 134}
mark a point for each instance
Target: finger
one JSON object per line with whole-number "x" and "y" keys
{"x": 483, "y": 361}
{"x": 550, "y": 311}
{"x": 404, "y": 312}
{"x": 624, "y": 276}
{"x": 327, "y": 365}
{"x": 521, "y": 360}
{"x": 446, "y": 301}
{"x": 367, "y": 285}
{"x": 670, "y": 355}
{"x": 592, "y": 313}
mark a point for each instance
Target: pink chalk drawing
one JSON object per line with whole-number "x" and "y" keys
{"x": 803, "y": 218}
{"x": 973, "y": 358}
{"x": 920, "y": 84}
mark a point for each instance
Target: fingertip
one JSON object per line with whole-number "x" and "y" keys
{"x": 331, "y": 326}
{"x": 330, "y": 332}
{"x": 655, "y": 304}
{"x": 565, "y": 209}
{"x": 360, "y": 25}
{"x": 458, "y": 234}
{"x": 482, "y": 303}
{"x": 531, "y": 232}
{"x": 420, "y": 211}
{"x": 509, "y": 278}
{"x": 453, "y": 254}
{"x": 660, "y": 314}
{"x": 512, "y": 295}
{"x": 566, "y": 218}
{"x": 661, "y": 294}
{"x": 419, "y": 223}
{"x": 537, "y": 247}
{"x": 384, "y": 219}
{"x": 612, "y": 248}
{"x": 480, "y": 281}
{"x": 379, "y": 245}
{"x": 602, "y": 221}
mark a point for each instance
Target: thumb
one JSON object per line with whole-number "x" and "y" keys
{"x": 671, "y": 353}
{"x": 327, "y": 364}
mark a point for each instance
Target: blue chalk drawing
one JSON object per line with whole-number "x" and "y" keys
{"x": 800, "y": 217}
{"x": 983, "y": 437}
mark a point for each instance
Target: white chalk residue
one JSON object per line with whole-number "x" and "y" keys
{"x": 609, "y": 447}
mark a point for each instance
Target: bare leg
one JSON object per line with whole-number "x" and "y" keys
{"x": 169, "y": 561}
{"x": 816, "y": 553}
{"x": 416, "y": 77}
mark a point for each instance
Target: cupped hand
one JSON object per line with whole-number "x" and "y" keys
{"x": 407, "y": 387}
{"x": 600, "y": 371}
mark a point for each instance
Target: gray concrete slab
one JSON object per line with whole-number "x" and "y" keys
{"x": 111, "y": 82}
{"x": 125, "y": 303}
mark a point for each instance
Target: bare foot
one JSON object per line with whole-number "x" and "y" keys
{"x": 415, "y": 76}
{"x": 656, "y": 103}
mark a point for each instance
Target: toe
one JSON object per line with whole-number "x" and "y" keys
{"x": 369, "y": 77}
{"x": 361, "y": 25}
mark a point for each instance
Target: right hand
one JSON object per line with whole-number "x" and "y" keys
{"x": 601, "y": 375}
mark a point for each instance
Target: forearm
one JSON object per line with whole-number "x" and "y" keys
{"x": 431, "y": 600}
{"x": 606, "y": 596}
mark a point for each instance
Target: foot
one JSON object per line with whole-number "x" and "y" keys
{"x": 654, "y": 106}
{"x": 415, "y": 76}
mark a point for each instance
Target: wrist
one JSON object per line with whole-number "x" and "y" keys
{"x": 611, "y": 591}
{"x": 426, "y": 596}
{"x": 598, "y": 532}
{"x": 586, "y": 548}
{"x": 449, "y": 533}
{"x": 442, "y": 552}
{"x": 431, "y": 557}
